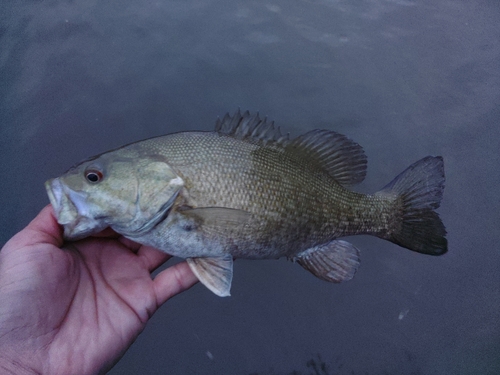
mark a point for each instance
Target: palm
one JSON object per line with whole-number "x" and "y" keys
{"x": 84, "y": 303}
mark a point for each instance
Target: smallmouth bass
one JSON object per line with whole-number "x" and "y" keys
{"x": 247, "y": 191}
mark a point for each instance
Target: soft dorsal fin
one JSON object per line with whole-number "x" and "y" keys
{"x": 334, "y": 153}
{"x": 250, "y": 127}
{"x": 339, "y": 156}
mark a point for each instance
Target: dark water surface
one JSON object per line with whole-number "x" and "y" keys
{"x": 405, "y": 79}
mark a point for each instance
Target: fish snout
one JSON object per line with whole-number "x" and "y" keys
{"x": 54, "y": 191}
{"x": 72, "y": 210}
{"x": 64, "y": 209}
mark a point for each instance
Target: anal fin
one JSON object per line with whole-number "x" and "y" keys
{"x": 335, "y": 261}
{"x": 215, "y": 273}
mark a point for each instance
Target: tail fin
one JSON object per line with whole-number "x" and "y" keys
{"x": 419, "y": 190}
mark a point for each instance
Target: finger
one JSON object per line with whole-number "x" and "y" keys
{"x": 131, "y": 245}
{"x": 172, "y": 281}
{"x": 152, "y": 257}
{"x": 108, "y": 233}
{"x": 42, "y": 229}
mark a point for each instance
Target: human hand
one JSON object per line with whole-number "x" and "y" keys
{"x": 75, "y": 308}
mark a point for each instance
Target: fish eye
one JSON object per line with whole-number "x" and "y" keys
{"x": 93, "y": 176}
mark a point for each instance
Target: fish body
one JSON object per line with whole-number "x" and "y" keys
{"x": 246, "y": 191}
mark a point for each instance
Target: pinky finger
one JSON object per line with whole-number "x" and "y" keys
{"x": 172, "y": 281}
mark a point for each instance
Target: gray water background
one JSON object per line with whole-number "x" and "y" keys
{"x": 404, "y": 78}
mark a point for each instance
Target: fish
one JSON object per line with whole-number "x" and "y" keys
{"x": 245, "y": 190}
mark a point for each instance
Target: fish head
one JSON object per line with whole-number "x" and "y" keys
{"x": 128, "y": 192}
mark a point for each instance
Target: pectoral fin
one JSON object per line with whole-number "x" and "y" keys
{"x": 215, "y": 273}
{"x": 335, "y": 261}
{"x": 217, "y": 220}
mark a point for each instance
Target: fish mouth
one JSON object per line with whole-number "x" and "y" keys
{"x": 64, "y": 209}
{"x": 70, "y": 211}
{"x": 54, "y": 191}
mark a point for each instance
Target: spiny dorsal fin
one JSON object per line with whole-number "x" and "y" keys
{"x": 339, "y": 156}
{"x": 334, "y": 153}
{"x": 251, "y": 127}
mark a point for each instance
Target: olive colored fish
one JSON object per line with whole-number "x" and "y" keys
{"x": 247, "y": 191}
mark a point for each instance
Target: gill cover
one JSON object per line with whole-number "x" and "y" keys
{"x": 157, "y": 188}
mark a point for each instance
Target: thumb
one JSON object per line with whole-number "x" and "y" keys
{"x": 42, "y": 229}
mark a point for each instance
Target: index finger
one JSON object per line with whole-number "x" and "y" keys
{"x": 172, "y": 281}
